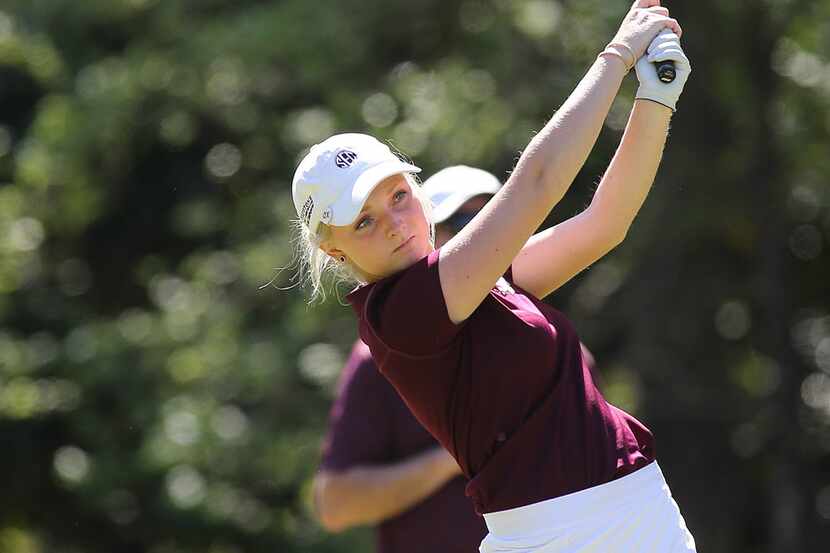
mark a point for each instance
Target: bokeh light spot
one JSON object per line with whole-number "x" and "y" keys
{"x": 226, "y": 82}
{"x": 815, "y": 391}
{"x": 18, "y": 540}
{"x": 222, "y": 267}
{"x": 309, "y": 126}
{"x": 20, "y": 398}
{"x": 81, "y": 345}
{"x": 178, "y": 129}
{"x": 603, "y": 280}
{"x": 733, "y": 320}
{"x": 320, "y": 363}
{"x": 823, "y": 355}
{"x": 758, "y": 375}
{"x": 806, "y": 242}
{"x": 26, "y": 234}
{"x": 12, "y": 355}
{"x": 223, "y": 160}
{"x": 135, "y": 326}
{"x": 185, "y": 486}
{"x": 380, "y": 110}
{"x": 187, "y": 365}
{"x": 182, "y": 427}
{"x": 538, "y": 18}
{"x": 229, "y": 423}
{"x": 411, "y": 138}
{"x": 6, "y": 25}
{"x": 804, "y": 203}
{"x": 478, "y": 85}
{"x": 72, "y": 464}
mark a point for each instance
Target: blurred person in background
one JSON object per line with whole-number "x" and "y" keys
{"x": 379, "y": 466}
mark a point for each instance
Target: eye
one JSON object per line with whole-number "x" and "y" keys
{"x": 400, "y": 195}
{"x": 363, "y": 223}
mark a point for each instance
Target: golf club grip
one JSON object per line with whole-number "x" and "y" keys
{"x": 665, "y": 71}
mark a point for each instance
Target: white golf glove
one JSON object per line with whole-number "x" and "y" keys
{"x": 666, "y": 46}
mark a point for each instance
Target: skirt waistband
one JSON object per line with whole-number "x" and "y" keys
{"x": 567, "y": 510}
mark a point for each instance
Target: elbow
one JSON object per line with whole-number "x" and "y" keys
{"x": 606, "y": 242}
{"x": 332, "y": 523}
{"x": 328, "y": 508}
{"x": 329, "y": 518}
{"x": 617, "y": 234}
{"x": 611, "y": 229}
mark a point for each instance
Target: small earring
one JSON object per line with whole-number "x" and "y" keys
{"x": 342, "y": 259}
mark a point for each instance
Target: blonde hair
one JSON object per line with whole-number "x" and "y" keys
{"x": 313, "y": 265}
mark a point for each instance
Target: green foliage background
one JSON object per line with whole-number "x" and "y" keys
{"x": 154, "y": 398}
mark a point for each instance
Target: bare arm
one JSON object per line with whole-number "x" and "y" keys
{"x": 371, "y": 494}
{"x": 472, "y": 261}
{"x": 551, "y": 258}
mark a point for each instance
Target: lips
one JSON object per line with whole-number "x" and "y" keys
{"x": 408, "y": 240}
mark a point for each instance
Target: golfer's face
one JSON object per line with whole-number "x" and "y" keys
{"x": 390, "y": 233}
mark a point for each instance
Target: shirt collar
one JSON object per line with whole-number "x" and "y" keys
{"x": 357, "y": 297}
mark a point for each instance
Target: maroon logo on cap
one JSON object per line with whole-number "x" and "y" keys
{"x": 344, "y": 158}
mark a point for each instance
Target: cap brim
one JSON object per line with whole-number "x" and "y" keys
{"x": 347, "y": 207}
{"x": 441, "y": 211}
{"x": 451, "y": 187}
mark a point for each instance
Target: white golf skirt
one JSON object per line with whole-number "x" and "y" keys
{"x": 633, "y": 514}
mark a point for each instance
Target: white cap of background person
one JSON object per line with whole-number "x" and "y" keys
{"x": 450, "y": 188}
{"x": 334, "y": 179}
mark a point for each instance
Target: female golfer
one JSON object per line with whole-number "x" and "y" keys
{"x": 493, "y": 373}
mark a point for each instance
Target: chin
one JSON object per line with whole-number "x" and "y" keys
{"x": 425, "y": 247}
{"x": 404, "y": 262}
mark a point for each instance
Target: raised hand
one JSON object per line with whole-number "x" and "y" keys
{"x": 665, "y": 47}
{"x": 642, "y": 23}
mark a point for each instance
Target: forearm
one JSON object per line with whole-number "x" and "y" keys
{"x": 473, "y": 259}
{"x": 370, "y": 494}
{"x": 557, "y": 153}
{"x": 629, "y": 177}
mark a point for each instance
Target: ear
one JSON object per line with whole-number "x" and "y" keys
{"x": 328, "y": 247}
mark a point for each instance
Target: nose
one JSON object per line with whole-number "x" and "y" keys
{"x": 395, "y": 226}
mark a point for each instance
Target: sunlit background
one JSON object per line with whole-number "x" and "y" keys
{"x": 154, "y": 397}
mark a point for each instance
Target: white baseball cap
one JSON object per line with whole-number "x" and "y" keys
{"x": 334, "y": 179}
{"x": 449, "y": 188}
